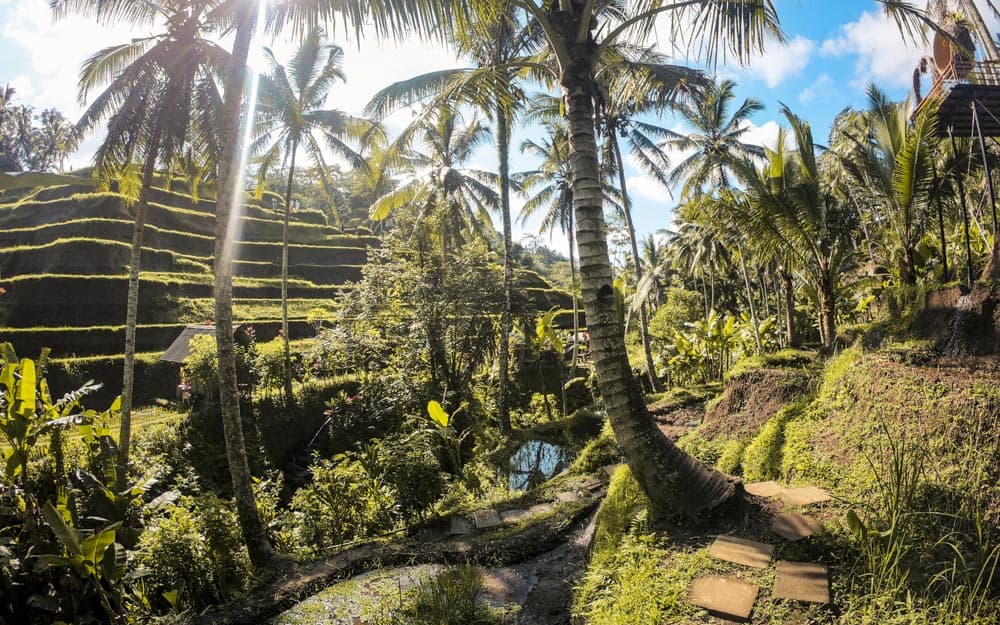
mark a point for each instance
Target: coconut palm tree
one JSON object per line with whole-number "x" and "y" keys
{"x": 892, "y": 165}
{"x": 497, "y": 47}
{"x": 154, "y": 90}
{"x": 715, "y": 141}
{"x": 788, "y": 211}
{"x": 439, "y": 180}
{"x": 290, "y": 116}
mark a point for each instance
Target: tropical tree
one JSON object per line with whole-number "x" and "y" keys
{"x": 439, "y": 180}
{"x": 787, "y": 210}
{"x": 891, "y": 164}
{"x": 291, "y": 116}
{"x": 715, "y": 140}
{"x": 497, "y": 47}
{"x": 637, "y": 83}
{"x": 154, "y": 90}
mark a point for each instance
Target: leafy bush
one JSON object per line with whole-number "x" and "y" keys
{"x": 343, "y": 502}
{"x": 193, "y": 556}
{"x": 448, "y": 599}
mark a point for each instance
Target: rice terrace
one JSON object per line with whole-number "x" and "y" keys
{"x": 497, "y": 312}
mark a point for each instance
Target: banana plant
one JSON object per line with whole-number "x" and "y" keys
{"x": 451, "y": 439}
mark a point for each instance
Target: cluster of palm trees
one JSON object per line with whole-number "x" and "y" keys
{"x": 180, "y": 95}
{"x": 30, "y": 142}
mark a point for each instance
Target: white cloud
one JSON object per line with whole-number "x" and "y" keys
{"x": 880, "y": 52}
{"x": 780, "y": 62}
{"x": 819, "y": 88}
{"x": 764, "y": 135}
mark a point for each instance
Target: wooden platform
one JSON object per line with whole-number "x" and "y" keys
{"x": 955, "y": 95}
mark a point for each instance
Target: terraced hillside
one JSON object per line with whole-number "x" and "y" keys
{"x": 64, "y": 254}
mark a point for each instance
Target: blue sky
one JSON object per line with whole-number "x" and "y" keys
{"x": 835, "y": 48}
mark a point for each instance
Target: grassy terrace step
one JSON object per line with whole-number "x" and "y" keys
{"x": 100, "y": 300}
{"x": 89, "y": 257}
{"x": 183, "y": 242}
{"x": 110, "y": 340}
{"x": 256, "y": 224}
{"x": 199, "y": 310}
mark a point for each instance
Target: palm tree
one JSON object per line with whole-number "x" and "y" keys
{"x": 639, "y": 82}
{"x": 716, "y": 139}
{"x": 439, "y": 180}
{"x": 54, "y": 141}
{"x": 549, "y": 188}
{"x": 787, "y": 211}
{"x": 291, "y": 115}
{"x": 892, "y": 165}
{"x": 497, "y": 47}
{"x": 152, "y": 85}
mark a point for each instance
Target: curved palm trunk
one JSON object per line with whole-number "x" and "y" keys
{"x": 506, "y": 320}
{"x": 287, "y": 379}
{"x": 670, "y": 477}
{"x": 944, "y": 240}
{"x": 132, "y": 309}
{"x": 643, "y": 318}
{"x": 258, "y": 546}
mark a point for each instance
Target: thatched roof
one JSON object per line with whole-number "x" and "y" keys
{"x": 181, "y": 347}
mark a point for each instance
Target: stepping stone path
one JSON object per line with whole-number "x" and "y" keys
{"x": 794, "y": 526}
{"x": 459, "y": 526}
{"x": 486, "y": 519}
{"x": 805, "y": 496}
{"x": 741, "y": 551}
{"x": 796, "y": 581}
{"x": 724, "y": 597}
{"x": 764, "y": 489}
{"x": 567, "y": 496}
{"x": 515, "y": 516}
{"x": 801, "y": 497}
{"x": 802, "y": 581}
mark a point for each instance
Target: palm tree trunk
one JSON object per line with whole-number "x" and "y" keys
{"x": 287, "y": 377}
{"x": 786, "y": 286}
{"x": 132, "y": 309}
{"x": 827, "y": 311}
{"x": 753, "y": 308}
{"x": 944, "y": 241}
{"x": 258, "y": 546}
{"x": 627, "y": 211}
{"x": 670, "y": 477}
{"x": 576, "y": 304}
{"x": 506, "y": 320}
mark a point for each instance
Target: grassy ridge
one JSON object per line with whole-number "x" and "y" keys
{"x": 110, "y": 340}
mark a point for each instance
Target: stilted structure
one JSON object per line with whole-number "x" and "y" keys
{"x": 966, "y": 94}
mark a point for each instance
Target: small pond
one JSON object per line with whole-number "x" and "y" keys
{"x": 535, "y": 462}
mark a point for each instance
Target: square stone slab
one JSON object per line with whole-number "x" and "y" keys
{"x": 794, "y": 526}
{"x": 805, "y": 496}
{"x": 593, "y": 483}
{"x": 541, "y": 508}
{"x": 459, "y": 526}
{"x": 486, "y": 519}
{"x": 764, "y": 489}
{"x": 567, "y": 496}
{"x": 742, "y": 551}
{"x": 724, "y": 597}
{"x": 515, "y": 516}
{"x": 801, "y": 581}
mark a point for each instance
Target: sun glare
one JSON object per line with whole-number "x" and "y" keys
{"x": 255, "y": 64}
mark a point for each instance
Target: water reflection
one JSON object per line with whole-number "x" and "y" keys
{"x": 534, "y": 462}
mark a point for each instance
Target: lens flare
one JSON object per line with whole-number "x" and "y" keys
{"x": 234, "y": 231}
